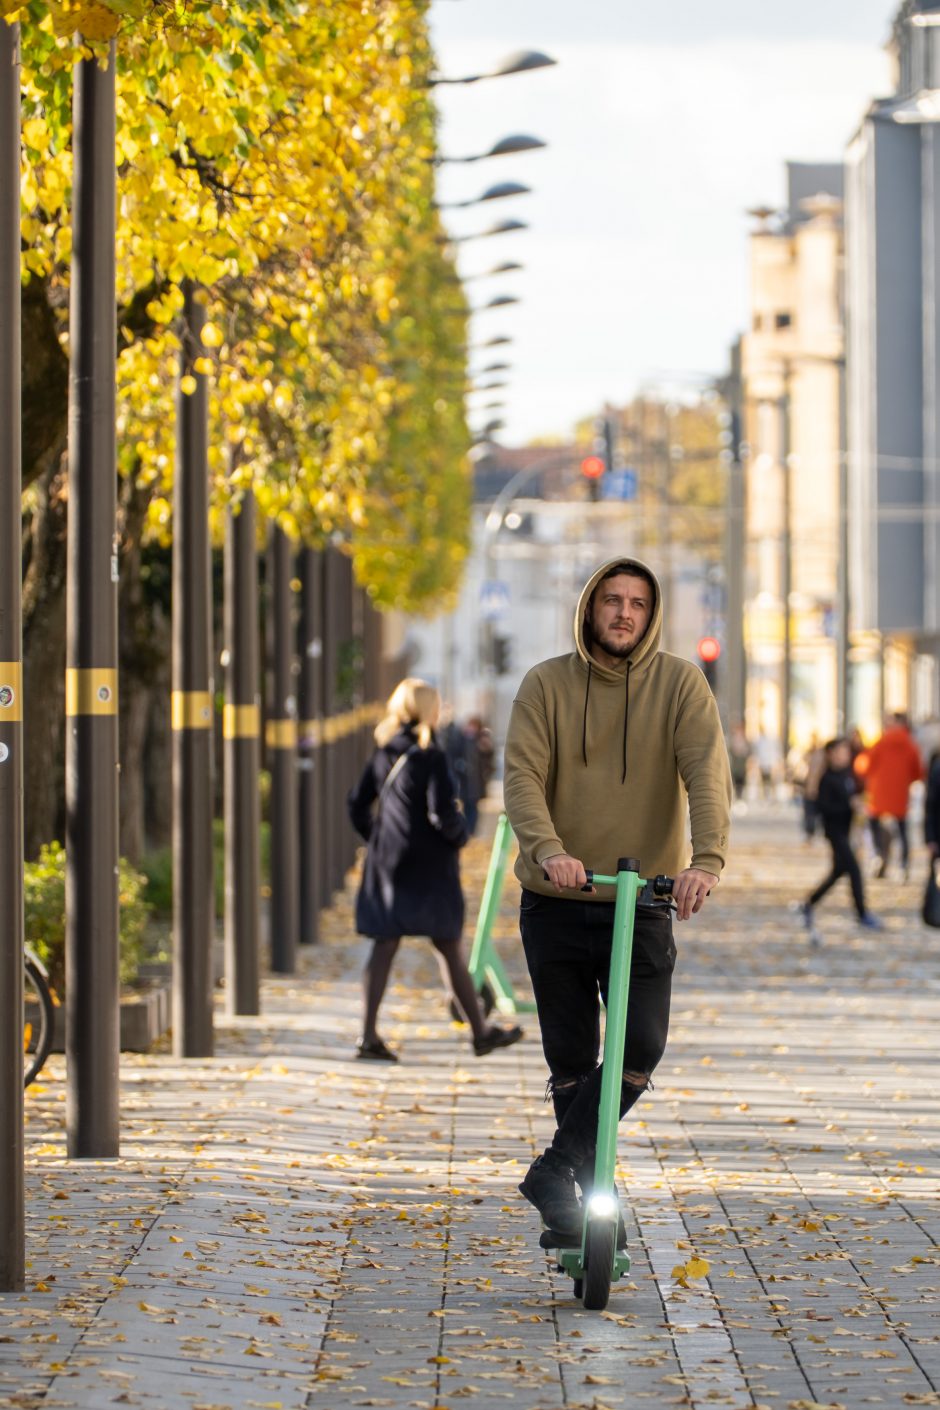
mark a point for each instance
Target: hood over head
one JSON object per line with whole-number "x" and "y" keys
{"x": 649, "y": 644}
{"x": 645, "y": 649}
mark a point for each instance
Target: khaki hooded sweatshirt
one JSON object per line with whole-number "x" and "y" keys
{"x": 600, "y": 761}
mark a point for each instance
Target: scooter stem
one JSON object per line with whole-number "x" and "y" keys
{"x": 628, "y": 884}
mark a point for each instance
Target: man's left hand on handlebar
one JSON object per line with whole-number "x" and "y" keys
{"x": 690, "y": 890}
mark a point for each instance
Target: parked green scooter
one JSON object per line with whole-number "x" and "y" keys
{"x": 598, "y": 1262}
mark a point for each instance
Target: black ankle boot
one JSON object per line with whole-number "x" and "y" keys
{"x": 549, "y": 1185}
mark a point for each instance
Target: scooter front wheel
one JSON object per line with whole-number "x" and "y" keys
{"x": 599, "y": 1253}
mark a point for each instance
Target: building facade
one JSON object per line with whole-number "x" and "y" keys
{"x": 792, "y": 360}
{"x": 892, "y": 214}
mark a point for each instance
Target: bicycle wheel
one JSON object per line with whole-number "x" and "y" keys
{"x": 599, "y": 1254}
{"x": 38, "y": 1014}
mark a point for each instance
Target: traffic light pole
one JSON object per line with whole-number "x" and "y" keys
{"x": 12, "y": 1197}
{"x": 91, "y": 685}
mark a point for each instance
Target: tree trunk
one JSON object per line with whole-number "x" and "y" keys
{"x": 44, "y": 661}
{"x": 143, "y": 635}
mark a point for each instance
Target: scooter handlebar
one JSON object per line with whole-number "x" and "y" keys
{"x": 662, "y": 885}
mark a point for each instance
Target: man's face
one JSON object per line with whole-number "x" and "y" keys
{"x": 619, "y": 615}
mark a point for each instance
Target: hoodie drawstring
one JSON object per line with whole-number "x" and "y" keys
{"x": 587, "y": 692}
{"x": 626, "y": 717}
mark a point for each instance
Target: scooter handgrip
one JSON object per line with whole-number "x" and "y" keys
{"x": 587, "y": 872}
{"x": 663, "y": 885}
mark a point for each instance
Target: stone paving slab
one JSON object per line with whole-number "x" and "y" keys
{"x": 288, "y": 1228}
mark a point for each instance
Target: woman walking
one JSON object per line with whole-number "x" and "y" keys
{"x": 405, "y": 807}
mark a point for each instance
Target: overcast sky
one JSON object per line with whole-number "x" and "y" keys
{"x": 666, "y": 122}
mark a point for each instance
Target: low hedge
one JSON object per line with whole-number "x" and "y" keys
{"x": 44, "y": 894}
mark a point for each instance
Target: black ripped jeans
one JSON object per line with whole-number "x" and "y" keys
{"x": 567, "y": 946}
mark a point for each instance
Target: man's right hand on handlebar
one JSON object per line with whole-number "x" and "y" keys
{"x": 565, "y": 872}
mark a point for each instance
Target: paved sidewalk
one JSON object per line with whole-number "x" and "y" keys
{"x": 290, "y": 1228}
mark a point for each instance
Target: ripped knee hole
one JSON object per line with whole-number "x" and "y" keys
{"x": 640, "y": 1080}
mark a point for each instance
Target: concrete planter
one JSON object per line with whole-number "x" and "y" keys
{"x": 145, "y": 1017}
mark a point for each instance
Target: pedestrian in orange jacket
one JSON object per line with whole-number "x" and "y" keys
{"x": 894, "y": 763}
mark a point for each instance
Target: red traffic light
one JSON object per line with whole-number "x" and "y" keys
{"x": 709, "y": 648}
{"x": 592, "y": 467}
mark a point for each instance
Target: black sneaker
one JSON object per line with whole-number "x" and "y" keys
{"x": 584, "y": 1176}
{"x": 549, "y": 1185}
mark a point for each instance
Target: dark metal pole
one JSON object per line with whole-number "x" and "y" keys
{"x": 281, "y": 739}
{"x": 91, "y": 758}
{"x": 842, "y": 580}
{"x": 309, "y": 651}
{"x": 191, "y": 702}
{"x": 735, "y": 539}
{"x": 12, "y": 1212}
{"x": 350, "y": 695}
{"x": 787, "y": 571}
{"x": 331, "y": 646}
{"x": 242, "y": 731}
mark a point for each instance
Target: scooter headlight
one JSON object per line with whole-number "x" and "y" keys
{"x": 602, "y": 1206}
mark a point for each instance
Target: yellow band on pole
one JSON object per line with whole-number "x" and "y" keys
{"x": 90, "y": 691}
{"x": 281, "y": 734}
{"x": 312, "y": 733}
{"x": 190, "y": 709}
{"x": 11, "y": 692}
{"x": 241, "y": 722}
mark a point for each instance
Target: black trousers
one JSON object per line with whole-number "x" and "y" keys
{"x": 567, "y": 946}
{"x": 844, "y": 863}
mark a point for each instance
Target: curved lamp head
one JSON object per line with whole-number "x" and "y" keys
{"x": 517, "y": 142}
{"x": 506, "y": 146}
{"x": 505, "y": 188}
{"x": 499, "y": 301}
{"x": 492, "y": 193}
{"x": 522, "y": 61}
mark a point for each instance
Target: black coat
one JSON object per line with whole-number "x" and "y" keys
{"x": 411, "y": 878}
{"x": 837, "y": 788}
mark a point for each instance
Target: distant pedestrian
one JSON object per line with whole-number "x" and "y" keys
{"x": 836, "y": 802}
{"x": 405, "y": 807}
{"x": 739, "y": 754}
{"x": 932, "y": 807}
{"x": 767, "y": 752}
{"x": 894, "y": 763}
{"x": 470, "y": 750}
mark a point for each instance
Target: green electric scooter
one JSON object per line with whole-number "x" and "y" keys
{"x": 598, "y": 1262}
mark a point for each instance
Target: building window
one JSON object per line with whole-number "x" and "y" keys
{"x": 782, "y": 320}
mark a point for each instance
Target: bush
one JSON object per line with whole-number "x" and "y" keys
{"x": 44, "y": 888}
{"x": 157, "y": 867}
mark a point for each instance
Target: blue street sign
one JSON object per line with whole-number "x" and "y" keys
{"x": 494, "y": 601}
{"x": 619, "y": 484}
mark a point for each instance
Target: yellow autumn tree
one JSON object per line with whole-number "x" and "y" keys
{"x": 277, "y": 154}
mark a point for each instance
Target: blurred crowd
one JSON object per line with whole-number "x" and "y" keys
{"x": 897, "y": 773}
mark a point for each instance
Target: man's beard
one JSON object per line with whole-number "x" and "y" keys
{"x": 611, "y": 645}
